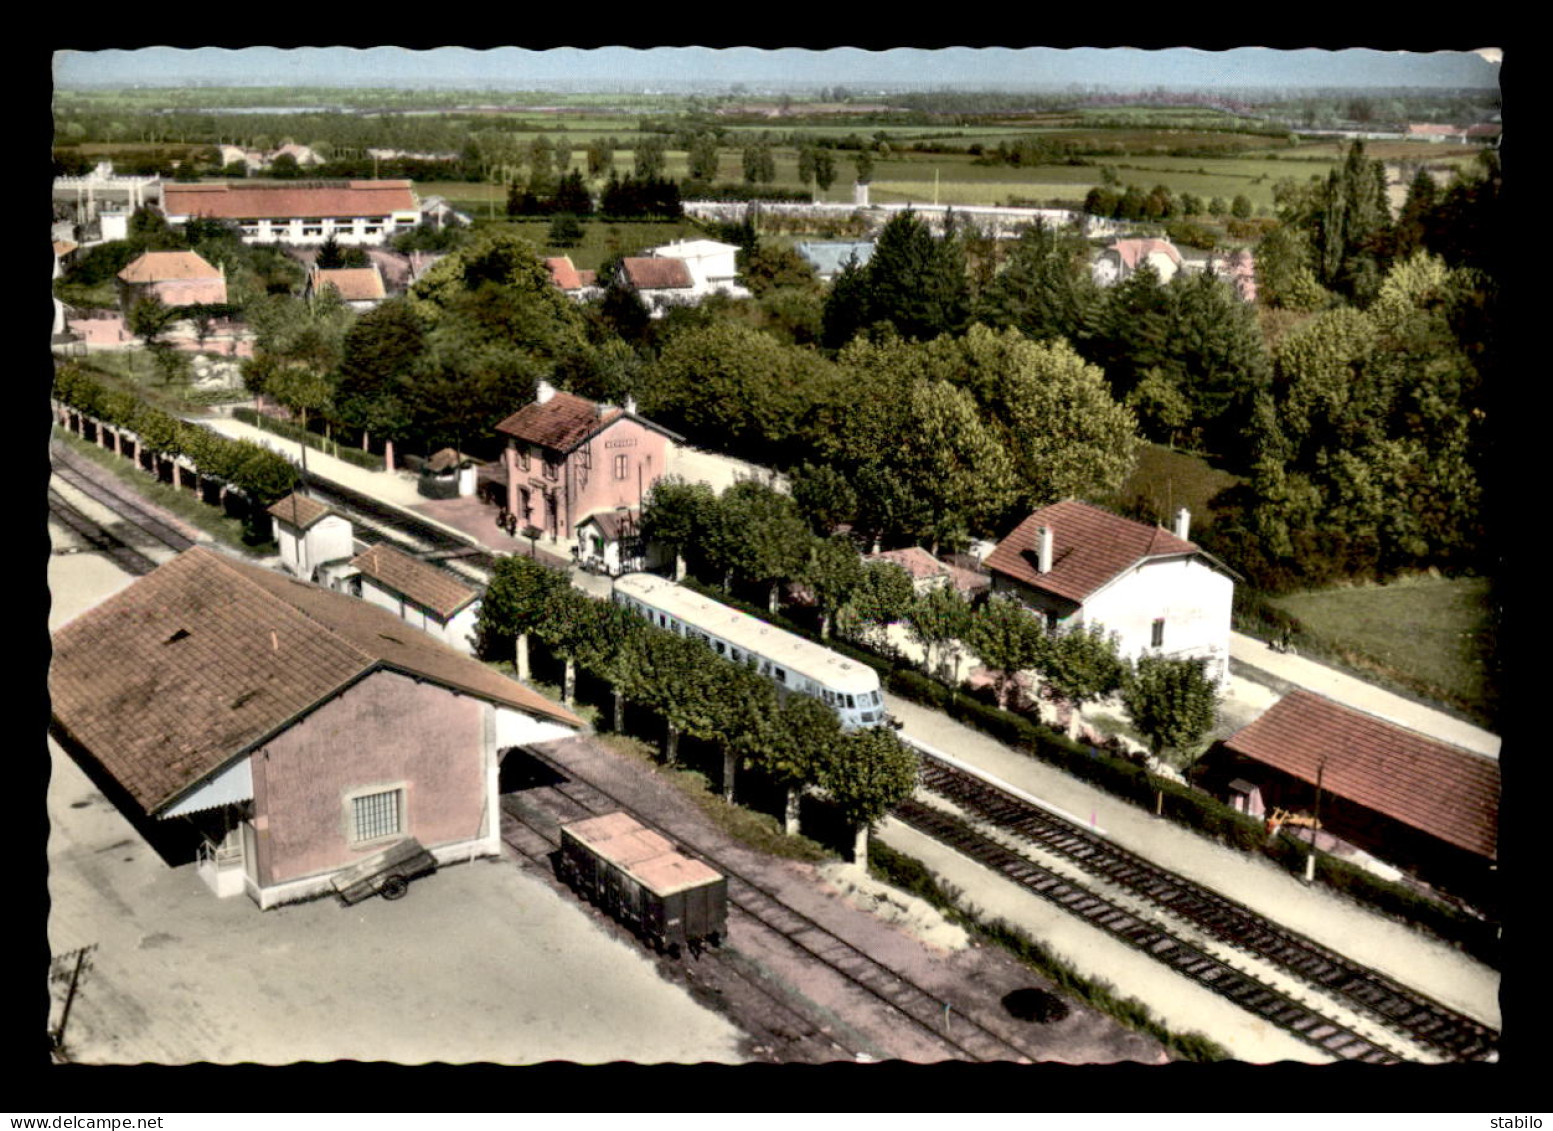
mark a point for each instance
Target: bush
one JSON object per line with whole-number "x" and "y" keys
{"x": 311, "y": 439}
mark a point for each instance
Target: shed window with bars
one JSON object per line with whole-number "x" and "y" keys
{"x": 377, "y": 815}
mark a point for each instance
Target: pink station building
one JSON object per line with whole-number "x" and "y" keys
{"x": 578, "y": 469}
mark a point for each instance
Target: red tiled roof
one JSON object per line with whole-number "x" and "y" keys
{"x": 562, "y": 422}
{"x": 298, "y": 510}
{"x": 1133, "y": 252}
{"x": 1090, "y": 548}
{"x": 657, "y": 274}
{"x": 160, "y": 266}
{"x": 914, "y": 560}
{"x": 426, "y": 585}
{"x": 353, "y": 284}
{"x": 565, "y": 275}
{"x": 193, "y": 665}
{"x": 1439, "y": 789}
{"x": 258, "y": 200}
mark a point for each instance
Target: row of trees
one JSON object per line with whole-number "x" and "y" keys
{"x": 796, "y": 741}
{"x": 758, "y": 535}
{"x": 262, "y": 476}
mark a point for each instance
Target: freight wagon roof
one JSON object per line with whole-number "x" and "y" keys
{"x": 646, "y": 856}
{"x": 797, "y": 655}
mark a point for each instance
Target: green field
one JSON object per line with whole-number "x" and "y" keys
{"x": 1436, "y": 634}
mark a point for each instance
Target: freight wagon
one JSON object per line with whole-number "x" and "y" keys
{"x": 638, "y": 878}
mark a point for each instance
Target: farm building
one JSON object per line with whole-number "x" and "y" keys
{"x": 299, "y": 730}
{"x": 1412, "y": 801}
{"x": 299, "y": 212}
{"x": 660, "y": 283}
{"x": 1079, "y": 565}
{"x": 576, "y": 284}
{"x": 568, "y": 458}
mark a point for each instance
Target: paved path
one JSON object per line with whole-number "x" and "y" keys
{"x": 1356, "y": 693}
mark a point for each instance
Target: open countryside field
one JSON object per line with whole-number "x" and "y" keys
{"x": 1440, "y": 631}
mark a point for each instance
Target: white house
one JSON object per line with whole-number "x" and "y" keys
{"x": 1124, "y": 257}
{"x": 1159, "y": 593}
{"x": 310, "y": 535}
{"x": 419, "y": 594}
{"x": 712, "y": 266}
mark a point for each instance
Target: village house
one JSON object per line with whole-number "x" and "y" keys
{"x": 1123, "y": 258}
{"x": 360, "y": 288}
{"x": 660, "y": 283}
{"x": 927, "y": 572}
{"x": 1079, "y": 565}
{"x": 1407, "y": 799}
{"x": 575, "y": 284}
{"x": 300, "y": 731}
{"x": 354, "y": 213}
{"x": 712, "y": 266}
{"x": 569, "y": 458}
{"x": 177, "y": 278}
{"x": 420, "y": 594}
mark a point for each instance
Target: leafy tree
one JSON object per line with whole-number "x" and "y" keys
{"x": 864, "y": 163}
{"x": 1045, "y": 289}
{"x": 149, "y": 317}
{"x": 520, "y": 599}
{"x": 649, "y": 158}
{"x": 824, "y": 169}
{"x": 1240, "y": 208}
{"x": 678, "y": 514}
{"x": 759, "y": 165}
{"x": 868, "y": 772}
{"x": 601, "y": 156}
{"x": 1172, "y": 702}
{"x": 806, "y": 731}
{"x": 703, "y": 157}
{"x": 329, "y": 255}
{"x": 939, "y": 620}
{"x": 824, "y": 496}
{"x": 565, "y": 231}
{"x": 378, "y": 357}
{"x": 1079, "y": 666}
{"x": 833, "y": 574}
{"x": 883, "y": 597}
{"x": 1007, "y": 638}
{"x": 914, "y": 282}
{"x": 763, "y": 536}
{"x": 1161, "y": 406}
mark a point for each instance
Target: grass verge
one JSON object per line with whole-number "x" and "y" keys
{"x": 915, "y": 878}
{"x": 759, "y": 831}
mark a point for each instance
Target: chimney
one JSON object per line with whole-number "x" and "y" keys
{"x": 1183, "y": 523}
{"x": 543, "y": 392}
{"x": 1044, "y": 551}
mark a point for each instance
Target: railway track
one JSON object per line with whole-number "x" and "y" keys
{"x": 1368, "y": 993}
{"x": 964, "y": 1037}
{"x": 132, "y": 514}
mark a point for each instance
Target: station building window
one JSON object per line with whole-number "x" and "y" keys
{"x": 374, "y": 816}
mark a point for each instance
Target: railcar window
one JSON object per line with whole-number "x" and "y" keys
{"x": 851, "y": 704}
{"x": 720, "y": 649}
{"x": 830, "y": 698}
{"x": 781, "y": 676}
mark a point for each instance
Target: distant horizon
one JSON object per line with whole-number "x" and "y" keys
{"x": 1036, "y": 69}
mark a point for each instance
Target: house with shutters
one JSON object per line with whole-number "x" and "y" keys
{"x": 354, "y": 213}
{"x": 1079, "y": 565}
{"x": 568, "y": 458}
{"x": 298, "y": 730}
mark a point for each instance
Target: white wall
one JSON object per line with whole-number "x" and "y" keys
{"x": 1193, "y": 599}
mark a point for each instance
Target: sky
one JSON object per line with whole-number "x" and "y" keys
{"x": 989, "y": 67}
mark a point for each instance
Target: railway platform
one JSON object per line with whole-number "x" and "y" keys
{"x": 1430, "y": 966}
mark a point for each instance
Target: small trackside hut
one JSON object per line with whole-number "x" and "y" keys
{"x": 641, "y": 880}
